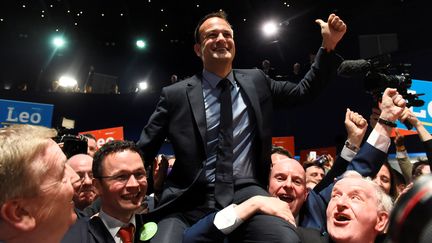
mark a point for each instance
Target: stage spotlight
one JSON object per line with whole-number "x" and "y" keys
{"x": 141, "y": 44}
{"x": 59, "y": 42}
{"x": 143, "y": 85}
{"x": 270, "y": 28}
{"x": 67, "y": 82}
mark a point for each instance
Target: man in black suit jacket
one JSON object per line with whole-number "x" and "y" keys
{"x": 188, "y": 115}
{"x": 121, "y": 182}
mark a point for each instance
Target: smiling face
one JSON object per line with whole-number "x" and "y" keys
{"x": 216, "y": 45}
{"x": 287, "y": 181}
{"x": 383, "y": 178}
{"x": 123, "y": 192}
{"x": 86, "y": 193}
{"x": 353, "y": 214}
{"x": 54, "y": 202}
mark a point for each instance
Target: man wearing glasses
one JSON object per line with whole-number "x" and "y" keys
{"x": 120, "y": 180}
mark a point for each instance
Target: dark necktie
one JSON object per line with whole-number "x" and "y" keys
{"x": 126, "y": 233}
{"x": 224, "y": 185}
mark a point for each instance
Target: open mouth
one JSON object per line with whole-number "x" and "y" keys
{"x": 286, "y": 198}
{"x": 131, "y": 196}
{"x": 340, "y": 217}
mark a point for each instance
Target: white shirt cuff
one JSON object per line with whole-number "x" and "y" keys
{"x": 401, "y": 154}
{"x": 379, "y": 141}
{"x": 347, "y": 154}
{"x": 226, "y": 220}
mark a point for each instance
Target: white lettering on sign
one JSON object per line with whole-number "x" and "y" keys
{"x": 23, "y": 117}
{"x": 101, "y": 141}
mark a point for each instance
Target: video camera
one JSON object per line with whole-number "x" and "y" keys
{"x": 71, "y": 144}
{"x": 379, "y": 73}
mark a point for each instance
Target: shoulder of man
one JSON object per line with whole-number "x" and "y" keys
{"x": 309, "y": 235}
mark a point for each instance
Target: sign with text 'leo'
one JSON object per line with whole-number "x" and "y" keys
{"x": 105, "y": 135}
{"x": 423, "y": 113}
{"x": 20, "y": 112}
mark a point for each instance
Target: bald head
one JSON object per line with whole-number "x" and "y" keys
{"x": 82, "y": 165}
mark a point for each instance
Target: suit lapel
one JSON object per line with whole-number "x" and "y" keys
{"x": 250, "y": 90}
{"x": 99, "y": 232}
{"x": 196, "y": 103}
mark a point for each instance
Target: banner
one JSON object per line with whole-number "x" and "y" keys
{"x": 285, "y": 142}
{"x": 20, "y": 112}
{"x": 105, "y": 135}
{"x": 423, "y": 113}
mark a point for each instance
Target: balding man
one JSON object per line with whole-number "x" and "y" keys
{"x": 86, "y": 194}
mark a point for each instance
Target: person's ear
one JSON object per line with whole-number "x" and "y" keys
{"x": 382, "y": 220}
{"x": 17, "y": 214}
{"x": 197, "y": 49}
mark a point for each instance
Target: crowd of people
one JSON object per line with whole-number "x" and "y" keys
{"x": 225, "y": 181}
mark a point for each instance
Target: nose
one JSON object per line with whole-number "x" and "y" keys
{"x": 288, "y": 183}
{"x": 220, "y": 37}
{"x": 341, "y": 202}
{"x": 132, "y": 182}
{"x": 87, "y": 179}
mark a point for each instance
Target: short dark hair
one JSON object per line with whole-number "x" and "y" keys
{"x": 219, "y": 14}
{"x": 281, "y": 150}
{"x": 111, "y": 147}
{"x": 89, "y": 135}
{"x": 308, "y": 164}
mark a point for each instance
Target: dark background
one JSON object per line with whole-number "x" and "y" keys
{"x": 108, "y": 43}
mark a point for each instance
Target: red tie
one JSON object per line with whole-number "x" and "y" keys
{"x": 126, "y": 233}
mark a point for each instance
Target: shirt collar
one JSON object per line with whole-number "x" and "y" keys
{"x": 213, "y": 80}
{"x": 112, "y": 224}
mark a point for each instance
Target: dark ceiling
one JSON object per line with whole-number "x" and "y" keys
{"x": 103, "y": 34}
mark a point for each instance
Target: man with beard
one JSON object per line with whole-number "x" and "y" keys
{"x": 85, "y": 194}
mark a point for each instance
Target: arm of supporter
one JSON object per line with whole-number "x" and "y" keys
{"x": 356, "y": 127}
{"x": 368, "y": 161}
{"x": 204, "y": 231}
{"x": 424, "y": 135}
{"x": 402, "y": 156}
{"x": 214, "y": 227}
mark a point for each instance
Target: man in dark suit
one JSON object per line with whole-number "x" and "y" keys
{"x": 288, "y": 183}
{"x": 120, "y": 179}
{"x": 188, "y": 115}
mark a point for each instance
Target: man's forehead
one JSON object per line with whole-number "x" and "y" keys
{"x": 353, "y": 184}
{"x": 287, "y": 164}
{"x": 214, "y": 23}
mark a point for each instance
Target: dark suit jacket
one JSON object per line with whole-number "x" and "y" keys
{"x": 94, "y": 231}
{"x": 180, "y": 117}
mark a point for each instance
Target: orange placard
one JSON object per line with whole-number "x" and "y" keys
{"x": 105, "y": 135}
{"x": 403, "y": 132}
{"x": 285, "y": 142}
{"x": 319, "y": 151}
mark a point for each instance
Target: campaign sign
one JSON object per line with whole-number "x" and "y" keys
{"x": 20, "y": 112}
{"x": 423, "y": 113}
{"x": 105, "y": 135}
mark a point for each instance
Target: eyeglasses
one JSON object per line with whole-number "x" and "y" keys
{"x": 123, "y": 178}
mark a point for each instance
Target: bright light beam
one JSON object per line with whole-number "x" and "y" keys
{"x": 67, "y": 82}
{"x": 270, "y": 28}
